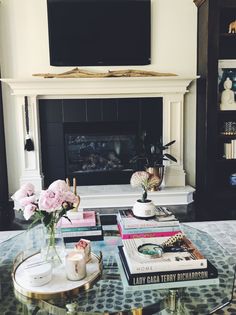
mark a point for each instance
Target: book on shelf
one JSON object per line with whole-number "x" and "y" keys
{"x": 89, "y": 219}
{"x": 190, "y": 258}
{"x": 166, "y": 276}
{"x": 146, "y": 233}
{"x": 129, "y": 221}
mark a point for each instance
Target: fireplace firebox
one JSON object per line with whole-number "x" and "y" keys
{"x": 94, "y": 140}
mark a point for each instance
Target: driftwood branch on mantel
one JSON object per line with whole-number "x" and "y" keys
{"x": 81, "y": 73}
{"x": 198, "y": 2}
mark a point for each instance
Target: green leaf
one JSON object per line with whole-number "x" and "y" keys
{"x": 170, "y": 157}
{"x": 169, "y": 143}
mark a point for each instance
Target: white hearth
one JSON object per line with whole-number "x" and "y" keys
{"x": 170, "y": 89}
{"x": 112, "y": 196}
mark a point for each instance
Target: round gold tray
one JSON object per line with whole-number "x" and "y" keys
{"x": 59, "y": 286}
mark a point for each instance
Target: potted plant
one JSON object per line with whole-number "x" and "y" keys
{"x": 151, "y": 157}
{"x": 144, "y": 208}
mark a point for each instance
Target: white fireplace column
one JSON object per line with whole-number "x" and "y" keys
{"x": 170, "y": 89}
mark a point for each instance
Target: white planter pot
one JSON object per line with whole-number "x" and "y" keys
{"x": 144, "y": 209}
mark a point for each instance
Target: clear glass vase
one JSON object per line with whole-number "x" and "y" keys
{"x": 53, "y": 248}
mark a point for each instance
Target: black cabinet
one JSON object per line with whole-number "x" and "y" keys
{"x": 216, "y": 128}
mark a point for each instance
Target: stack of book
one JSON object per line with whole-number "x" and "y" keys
{"x": 162, "y": 225}
{"x": 176, "y": 265}
{"x": 89, "y": 227}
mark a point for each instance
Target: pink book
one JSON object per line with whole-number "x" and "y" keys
{"x": 89, "y": 219}
{"x": 146, "y": 235}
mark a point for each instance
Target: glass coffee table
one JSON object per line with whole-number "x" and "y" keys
{"x": 109, "y": 295}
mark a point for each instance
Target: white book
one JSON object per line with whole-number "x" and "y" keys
{"x": 191, "y": 259}
{"x": 233, "y": 148}
{"x": 129, "y": 221}
{"x": 228, "y": 150}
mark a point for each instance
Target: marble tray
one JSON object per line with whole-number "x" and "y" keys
{"x": 59, "y": 286}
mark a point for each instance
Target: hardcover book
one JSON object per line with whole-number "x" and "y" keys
{"x": 89, "y": 219}
{"x": 74, "y": 233}
{"x": 136, "y": 233}
{"x": 188, "y": 257}
{"x": 129, "y": 221}
{"x": 73, "y": 239}
{"x": 166, "y": 276}
{"x": 148, "y": 229}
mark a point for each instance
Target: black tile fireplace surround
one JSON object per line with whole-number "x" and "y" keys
{"x": 94, "y": 139}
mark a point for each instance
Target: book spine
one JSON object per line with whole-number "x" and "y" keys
{"x": 77, "y": 224}
{"x": 146, "y": 267}
{"x": 146, "y": 235}
{"x": 167, "y": 276}
{"x": 80, "y": 229}
{"x": 175, "y": 276}
{"x": 148, "y": 229}
{"x": 82, "y": 233}
{"x": 77, "y": 238}
{"x": 128, "y": 221}
{"x": 128, "y": 224}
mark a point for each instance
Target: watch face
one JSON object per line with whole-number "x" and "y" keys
{"x": 150, "y": 250}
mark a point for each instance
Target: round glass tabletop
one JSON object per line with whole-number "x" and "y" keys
{"x": 111, "y": 295}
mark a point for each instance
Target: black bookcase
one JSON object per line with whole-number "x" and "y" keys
{"x": 215, "y": 195}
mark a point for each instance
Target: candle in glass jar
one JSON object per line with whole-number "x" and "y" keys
{"x": 75, "y": 266}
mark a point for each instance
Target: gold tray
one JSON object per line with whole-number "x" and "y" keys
{"x": 59, "y": 286}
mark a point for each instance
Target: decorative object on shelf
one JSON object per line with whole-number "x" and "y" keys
{"x": 232, "y": 179}
{"x": 157, "y": 171}
{"x": 82, "y": 73}
{"x": 232, "y": 27}
{"x": 51, "y": 205}
{"x": 227, "y": 96}
{"x": 144, "y": 208}
{"x": 229, "y": 128}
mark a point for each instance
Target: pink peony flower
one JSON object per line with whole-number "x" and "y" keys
{"x": 27, "y": 200}
{"x": 28, "y": 189}
{"x": 18, "y": 195}
{"x": 70, "y": 197}
{"x": 29, "y": 210}
{"x": 59, "y": 185}
{"x": 50, "y": 200}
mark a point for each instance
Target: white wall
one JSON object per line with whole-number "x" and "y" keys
{"x": 24, "y": 51}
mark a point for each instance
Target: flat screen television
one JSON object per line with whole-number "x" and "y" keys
{"x": 99, "y": 32}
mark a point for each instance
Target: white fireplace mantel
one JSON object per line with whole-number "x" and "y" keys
{"x": 171, "y": 89}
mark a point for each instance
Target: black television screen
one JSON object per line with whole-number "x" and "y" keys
{"x": 99, "y": 32}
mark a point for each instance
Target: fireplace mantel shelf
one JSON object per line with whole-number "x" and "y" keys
{"x": 44, "y": 87}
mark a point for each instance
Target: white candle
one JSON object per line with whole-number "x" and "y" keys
{"x": 75, "y": 266}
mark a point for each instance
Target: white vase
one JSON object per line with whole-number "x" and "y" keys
{"x": 144, "y": 209}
